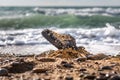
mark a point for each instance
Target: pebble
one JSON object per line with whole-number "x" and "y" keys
{"x": 3, "y": 72}
{"x": 106, "y": 68}
{"x": 69, "y": 78}
{"x": 101, "y": 78}
{"x": 115, "y": 77}
{"x": 63, "y": 62}
{"x": 37, "y": 70}
{"x": 16, "y": 64}
{"x": 102, "y": 74}
{"x": 92, "y": 77}
{"x": 97, "y": 56}
{"x": 96, "y": 63}
{"x": 19, "y": 67}
{"x": 60, "y": 77}
{"x": 66, "y": 64}
{"x": 83, "y": 69}
{"x": 82, "y": 59}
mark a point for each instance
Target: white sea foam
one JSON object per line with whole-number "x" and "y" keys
{"x": 97, "y": 40}
{"x": 79, "y": 11}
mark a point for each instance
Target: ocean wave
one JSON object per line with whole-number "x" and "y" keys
{"x": 93, "y": 39}
{"x": 61, "y": 21}
{"x": 79, "y": 11}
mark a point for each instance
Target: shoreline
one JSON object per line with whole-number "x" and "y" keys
{"x": 38, "y": 49}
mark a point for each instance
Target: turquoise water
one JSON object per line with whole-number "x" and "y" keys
{"x": 62, "y": 21}
{"x": 36, "y": 17}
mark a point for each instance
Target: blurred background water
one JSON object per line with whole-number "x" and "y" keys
{"x": 96, "y": 28}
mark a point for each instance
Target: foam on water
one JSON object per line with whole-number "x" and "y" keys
{"x": 79, "y": 11}
{"x": 97, "y": 40}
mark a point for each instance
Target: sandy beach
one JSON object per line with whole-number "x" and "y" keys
{"x": 50, "y": 66}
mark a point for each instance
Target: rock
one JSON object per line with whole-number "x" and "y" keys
{"x": 66, "y": 45}
{"x": 19, "y": 67}
{"x": 106, "y": 68}
{"x": 66, "y": 65}
{"x": 61, "y": 41}
{"x": 81, "y": 59}
{"x": 59, "y": 77}
{"x": 105, "y": 75}
{"x": 83, "y": 69}
{"x": 3, "y": 72}
{"x": 63, "y": 62}
{"x": 102, "y": 74}
{"x": 39, "y": 70}
{"x": 115, "y": 77}
{"x": 96, "y": 63}
{"x": 91, "y": 77}
{"x": 101, "y": 78}
{"x": 97, "y": 56}
{"x": 69, "y": 78}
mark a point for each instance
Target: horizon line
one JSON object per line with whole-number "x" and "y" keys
{"x": 59, "y": 6}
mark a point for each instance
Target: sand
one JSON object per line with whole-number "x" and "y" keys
{"x": 47, "y": 67}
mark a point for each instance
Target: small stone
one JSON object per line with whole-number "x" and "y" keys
{"x": 37, "y": 70}
{"x": 3, "y": 72}
{"x": 116, "y": 77}
{"x": 66, "y": 64}
{"x": 83, "y": 69}
{"x": 101, "y": 78}
{"x": 81, "y": 59}
{"x": 68, "y": 78}
{"x": 63, "y": 62}
{"x": 102, "y": 74}
{"x": 97, "y": 56}
{"x": 96, "y": 63}
{"x": 92, "y": 77}
{"x": 19, "y": 67}
{"x": 61, "y": 77}
{"x": 106, "y": 68}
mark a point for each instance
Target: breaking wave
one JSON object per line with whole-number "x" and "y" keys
{"x": 61, "y": 21}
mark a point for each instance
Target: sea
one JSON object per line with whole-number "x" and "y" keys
{"x": 95, "y": 28}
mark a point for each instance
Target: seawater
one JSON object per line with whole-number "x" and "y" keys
{"x": 95, "y": 28}
{"x": 61, "y": 17}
